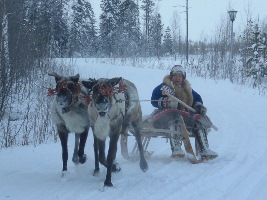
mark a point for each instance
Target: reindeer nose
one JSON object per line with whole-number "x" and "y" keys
{"x": 102, "y": 114}
{"x": 102, "y": 107}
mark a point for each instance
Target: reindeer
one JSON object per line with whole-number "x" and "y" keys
{"x": 111, "y": 111}
{"x": 69, "y": 113}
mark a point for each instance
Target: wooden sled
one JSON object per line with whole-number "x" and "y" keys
{"x": 183, "y": 127}
{"x": 148, "y": 132}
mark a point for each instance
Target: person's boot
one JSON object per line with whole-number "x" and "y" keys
{"x": 176, "y": 141}
{"x": 176, "y": 145}
{"x": 205, "y": 151}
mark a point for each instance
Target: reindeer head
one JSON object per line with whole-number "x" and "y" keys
{"x": 67, "y": 90}
{"x": 102, "y": 93}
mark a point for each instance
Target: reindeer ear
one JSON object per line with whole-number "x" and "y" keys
{"x": 114, "y": 81}
{"x": 57, "y": 77}
{"x": 89, "y": 84}
{"x": 75, "y": 78}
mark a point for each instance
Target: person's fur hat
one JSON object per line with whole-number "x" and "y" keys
{"x": 178, "y": 69}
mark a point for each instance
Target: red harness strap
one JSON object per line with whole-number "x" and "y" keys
{"x": 51, "y": 92}
{"x": 78, "y": 90}
{"x": 121, "y": 88}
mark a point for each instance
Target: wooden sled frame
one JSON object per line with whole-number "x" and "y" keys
{"x": 148, "y": 132}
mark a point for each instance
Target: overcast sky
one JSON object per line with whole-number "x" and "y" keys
{"x": 204, "y": 15}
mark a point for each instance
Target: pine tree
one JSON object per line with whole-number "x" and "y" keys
{"x": 256, "y": 64}
{"x": 156, "y": 35}
{"x": 48, "y": 24}
{"x": 128, "y": 29}
{"x": 83, "y": 32}
{"x": 108, "y": 25}
{"x": 44, "y": 28}
{"x": 148, "y": 7}
{"x": 60, "y": 30}
{"x": 245, "y": 42}
{"x": 167, "y": 42}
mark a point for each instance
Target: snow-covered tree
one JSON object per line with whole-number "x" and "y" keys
{"x": 167, "y": 42}
{"x": 48, "y": 27}
{"x": 256, "y": 61}
{"x": 108, "y": 25}
{"x": 60, "y": 30}
{"x": 128, "y": 29}
{"x": 156, "y": 35}
{"x": 148, "y": 6}
{"x": 83, "y": 32}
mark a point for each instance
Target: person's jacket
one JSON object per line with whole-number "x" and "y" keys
{"x": 185, "y": 93}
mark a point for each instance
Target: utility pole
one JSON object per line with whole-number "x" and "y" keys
{"x": 186, "y": 40}
{"x": 232, "y": 15}
{"x": 187, "y": 46}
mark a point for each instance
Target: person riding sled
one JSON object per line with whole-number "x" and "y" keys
{"x": 177, "y": 85}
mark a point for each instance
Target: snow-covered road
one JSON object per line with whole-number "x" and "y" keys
{"x": 238, "y": 173}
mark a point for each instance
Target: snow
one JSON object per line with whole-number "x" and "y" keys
{"x": 238, "y": 173}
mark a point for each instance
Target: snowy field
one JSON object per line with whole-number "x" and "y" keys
{"x": 240, "y": 171}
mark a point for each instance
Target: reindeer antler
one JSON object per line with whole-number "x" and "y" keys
{"x": 57, "y": 77}
{"x": 54, "y": 74}
{"x": 77, "y": 76}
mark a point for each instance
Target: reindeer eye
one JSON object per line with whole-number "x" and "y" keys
{"x": 70, "y": 86}
{"x": 95, "y": 90}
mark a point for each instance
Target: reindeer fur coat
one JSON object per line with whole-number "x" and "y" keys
{"x": 184, "y": 93}
{"x": 76, "y": 120}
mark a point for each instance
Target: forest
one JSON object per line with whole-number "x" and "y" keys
{"x": 36, "y": 33}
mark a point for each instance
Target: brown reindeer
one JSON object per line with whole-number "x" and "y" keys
{"x": 114, "y": 106}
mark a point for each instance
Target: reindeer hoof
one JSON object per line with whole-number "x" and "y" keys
{"x": 108, "y": 184}
{"x": 75, "y": 160}
{"x": 82, "y": 159}
{"x": 96, "y": 172}
{"x": 144, "y": 166}
{"x": 116, "y": 167}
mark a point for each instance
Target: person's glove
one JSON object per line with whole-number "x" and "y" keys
{"x": 172, "y": 103}
{"x": 168, "y": 102}
{"x": 200, "y": 109}
{"x": 166, "y": 91}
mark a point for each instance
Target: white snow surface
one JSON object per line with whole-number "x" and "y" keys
{"x": 238, "y": 173}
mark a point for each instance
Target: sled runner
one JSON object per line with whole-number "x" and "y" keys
{"x": 178, "y": 123}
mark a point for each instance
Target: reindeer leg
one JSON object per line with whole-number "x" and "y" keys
{"x": 75, "y": 158}
{"x": 83, "y": 138}
{"x": 96, "y": 171}
{"x": 99, "y": 150}
{"x": 102, "y": 154}
{"x": 143, "y": 163}
{"x": 63, "y": 135}
{"x": 111, "y": 155}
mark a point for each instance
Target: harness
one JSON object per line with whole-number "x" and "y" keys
{"x": 110, "y": 91}
{"x": 75, "y": 94}
{"x": 107, "y": 90}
